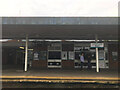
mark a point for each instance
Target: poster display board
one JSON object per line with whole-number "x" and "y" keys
{"x": 101, "y": 55}
{"x": 101, "y": 63}
{"x": 64, "y": 55}
{"x": 36, "y": 56}
{"x": 71, "y": 55}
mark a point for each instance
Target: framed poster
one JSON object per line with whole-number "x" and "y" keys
{"x": 102, "y": 64}
{"x": 101, "y": 55}
{"x": 71, "y": 55}
{"x": 36, "y": 56}
{"x": 64, "y": 55}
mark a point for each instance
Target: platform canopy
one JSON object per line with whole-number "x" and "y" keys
{"x": 79, "y": 28}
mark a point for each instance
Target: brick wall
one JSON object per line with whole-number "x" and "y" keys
{"x": 67, "y": 64}
{"x": 39, "y": 64}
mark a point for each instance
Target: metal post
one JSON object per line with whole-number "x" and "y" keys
{"x": 97, "y": 61}
{"x": 26, "y": 53}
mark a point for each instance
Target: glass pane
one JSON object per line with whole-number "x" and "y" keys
{"x": 54, "y": 55}
{"x": 43, "y": 55}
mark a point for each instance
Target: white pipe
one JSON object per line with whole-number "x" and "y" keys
{"x": 97, "y": 61}
{"x": 26, "y": 53}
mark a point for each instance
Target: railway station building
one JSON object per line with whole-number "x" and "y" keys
{"x": 57, "y": 42}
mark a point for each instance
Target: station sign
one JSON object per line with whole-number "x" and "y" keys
{"x": 81, "y": 48}
{"x": 97, "y": 45}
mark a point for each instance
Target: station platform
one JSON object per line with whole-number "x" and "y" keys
{"x": 60, "y": 75}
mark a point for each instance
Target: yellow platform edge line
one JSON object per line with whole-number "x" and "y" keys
{"x": 63, "y": 81}
{"x": 109, "y": 78}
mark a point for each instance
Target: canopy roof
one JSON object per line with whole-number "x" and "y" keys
{"x": 82, "y": 28}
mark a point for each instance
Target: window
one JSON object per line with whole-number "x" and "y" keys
{"x": 43, "y": 55}
{"x": 77, "y": 57}
{"x": 54, "y": 55}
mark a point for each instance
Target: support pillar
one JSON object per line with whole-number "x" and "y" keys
{"x": 26, "y": 53}
{"x": 97, "y": 61}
